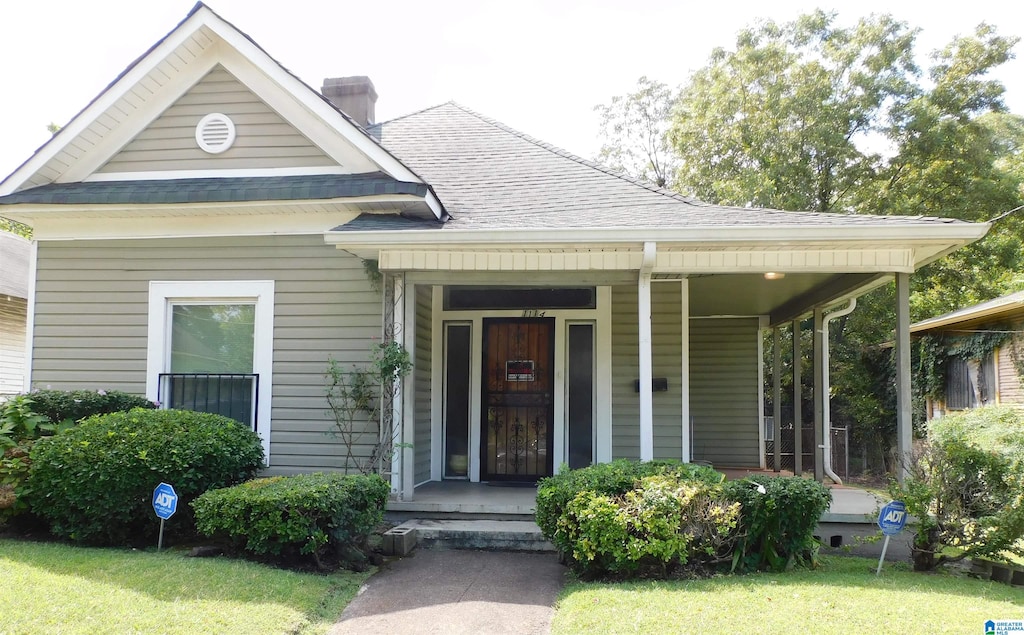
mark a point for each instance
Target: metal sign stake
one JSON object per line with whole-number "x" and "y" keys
{"x": 881, "y": 558}
{"x": 160, "y": 542}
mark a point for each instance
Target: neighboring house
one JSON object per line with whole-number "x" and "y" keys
{"x": 15, "y": 254}
{"x": 995, "y": 379}
{"x": 205, "y": 219}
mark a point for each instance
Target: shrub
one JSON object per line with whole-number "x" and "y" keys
{"x": 94, "y": 482}
{"x": 778, "y": 518}
{"x": 969, "y": 502}
{"x": 20, "y": 426}
{"x": 311, "y": 514}
{"x": 995, "y": 428}
{"x": 663, "y": 523}
{"x": 75, "y": 405}
{"x": 611, "y": 479}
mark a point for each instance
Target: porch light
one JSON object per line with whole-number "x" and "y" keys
{"x": 774, "y": 275}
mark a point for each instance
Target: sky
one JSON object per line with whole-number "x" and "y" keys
{"x": 538, "y": 66}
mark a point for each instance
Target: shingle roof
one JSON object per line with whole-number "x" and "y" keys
{"x": 490, "y": 176}
{"x": 235, "y": 189}
{"x": 991, "y": 309}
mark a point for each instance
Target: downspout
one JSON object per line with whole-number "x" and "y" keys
{"x": 826, "y": 407}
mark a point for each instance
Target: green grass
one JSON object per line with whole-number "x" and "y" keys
{"x": 842, "y": 596}
{"x": 53, "y": 588}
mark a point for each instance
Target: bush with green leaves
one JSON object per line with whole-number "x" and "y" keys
{"x": 965, "y": 485}
{"x": 778, "y": 518}
{"x": 75, "y": 405}
{"x": 94, "y": 482}
{"x": 313, "y": 514}
{"x": 663, "y": 523}
{"x": 20, "y": 426}
{"x": 610, "y": 479}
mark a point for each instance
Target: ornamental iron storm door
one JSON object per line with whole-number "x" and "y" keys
{"x": 518, "y": 360}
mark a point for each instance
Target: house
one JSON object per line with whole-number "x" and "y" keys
{"x": 15, "y": 255}
{"x": 994, "y": 378}
{"x": 204, "y": 225}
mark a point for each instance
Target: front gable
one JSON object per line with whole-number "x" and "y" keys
{"x": 143, "y": 125}
{"x": 263, "y": 139}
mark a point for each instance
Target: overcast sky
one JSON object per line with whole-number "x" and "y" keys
{"x": 538, "y": 66}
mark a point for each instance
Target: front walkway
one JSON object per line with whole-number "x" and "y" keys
{"x": 458, "y": 593}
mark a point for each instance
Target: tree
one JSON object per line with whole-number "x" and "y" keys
{"x": 811, "y": 115}
{"x": 634, "y": 129}
{"x": 780, "y": 121}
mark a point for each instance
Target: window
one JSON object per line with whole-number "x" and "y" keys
{"x": 210, "y": 349}
{"x": 970, "y": 384}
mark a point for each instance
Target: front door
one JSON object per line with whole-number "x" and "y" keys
{"x": 518, "y": 364}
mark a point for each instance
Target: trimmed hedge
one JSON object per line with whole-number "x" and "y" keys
{"x": 628, "y": 518}
{"x": 94, "y": 483}
{"x": 75, "y": 405}
{"x": 660, "y": 525}
{"x": 314, "y": 514}
{"x": 611, "y": 479}
{"x": 777, "y": 525}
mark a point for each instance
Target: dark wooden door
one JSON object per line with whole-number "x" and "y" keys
{"x": 518, "y": 364}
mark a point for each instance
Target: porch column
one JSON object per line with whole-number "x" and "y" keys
{"x": 819, "y": 392}
{"x": 646, "y": 355}
{"x": 777, "y": 399}
{"x": 684, "y": 381}
{"x": 798, "y": 414}
{"x": 903, "y": 396}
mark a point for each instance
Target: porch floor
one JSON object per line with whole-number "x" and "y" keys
{"x": 849, "y": 504}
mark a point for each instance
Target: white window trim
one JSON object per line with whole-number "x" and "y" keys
{"x": 162, "y": 294}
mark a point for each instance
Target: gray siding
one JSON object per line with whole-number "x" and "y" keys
{"x": 264, "y": 139}
{"x": 13, "y": 312}
{"x": 666, "y": 337}
{"x": 421, "y": 378}
{"x": 92, "y": 305}
{"x": 723, "y": 381}
{"x": 724, "y": 391}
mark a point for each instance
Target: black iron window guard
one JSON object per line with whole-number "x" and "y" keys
{"x": 234, "y": 395}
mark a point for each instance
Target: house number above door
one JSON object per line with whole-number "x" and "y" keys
{"x": 533, "y": 313}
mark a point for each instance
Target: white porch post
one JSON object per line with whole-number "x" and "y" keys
{"x": 646, "y": 355}
{"x": 903, "y": 396}
{"x": 798, "y": 411}
{"x": 684, "y": 381}
{"x": 819, "y": 392}
{"x": 406, "y": 306}
{"x": 776, "y": 399}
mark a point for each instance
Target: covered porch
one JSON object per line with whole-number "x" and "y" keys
{"x": 653, "y": 350}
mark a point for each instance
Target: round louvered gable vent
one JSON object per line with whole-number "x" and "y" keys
{"x": 215, "y": 133}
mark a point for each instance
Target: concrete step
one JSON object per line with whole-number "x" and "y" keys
{"x": 496, "y": 535}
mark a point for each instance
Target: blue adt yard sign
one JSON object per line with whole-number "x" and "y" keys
{"x": 165, "y": 501}
{"x": 893, "y": 518}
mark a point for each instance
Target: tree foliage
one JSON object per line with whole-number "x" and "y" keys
{"x": 814, "y": 115}
{"x": 633, "y": 133}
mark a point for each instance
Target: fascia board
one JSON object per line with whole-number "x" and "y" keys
{"x": 957, "y": 233}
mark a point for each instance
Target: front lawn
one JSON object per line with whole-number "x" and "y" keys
{"x": 842, "y": 596}
{"x": 49, "y": 588}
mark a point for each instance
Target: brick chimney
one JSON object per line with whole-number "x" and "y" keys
{"x": 355, "y": 96}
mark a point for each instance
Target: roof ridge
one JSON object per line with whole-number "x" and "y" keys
{"x": 573, "y": 157}
{"x": 411, "y": 114}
